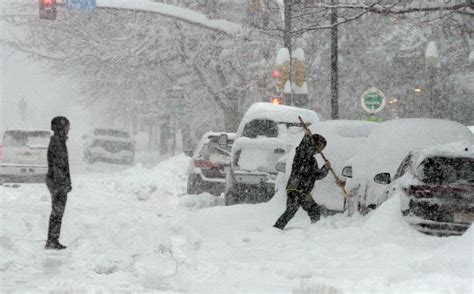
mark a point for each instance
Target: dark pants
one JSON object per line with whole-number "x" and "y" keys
{"x": 294, "y": 201}
{"x": 58, "y": 204}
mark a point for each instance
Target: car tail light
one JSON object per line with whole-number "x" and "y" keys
{"x": 205, "y": 164}
{"x": 420, "y": 191}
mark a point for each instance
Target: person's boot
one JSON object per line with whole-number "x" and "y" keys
{"x": 54, "y": 245}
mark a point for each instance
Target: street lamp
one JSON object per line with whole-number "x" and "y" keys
{"x": 431, "y": 65}
{"x": 392, "y": 100}
{"x": 394, "y": 104}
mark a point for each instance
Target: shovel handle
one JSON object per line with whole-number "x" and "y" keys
{"x": 324, "y": 157}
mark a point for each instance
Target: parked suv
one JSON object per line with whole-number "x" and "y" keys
{"x": 436, "y": 186}
{"x": 266, "y": 133}
{"x": 109, "y": 145}
{"x": 24, "y": 156}
{"x": 385, "y": 148}
{"x": 207, "y": 170}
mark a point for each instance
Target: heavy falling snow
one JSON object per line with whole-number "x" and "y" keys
{"x": 185, "y": 116}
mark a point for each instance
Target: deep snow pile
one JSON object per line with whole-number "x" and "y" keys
{"x": 136, "y": 230}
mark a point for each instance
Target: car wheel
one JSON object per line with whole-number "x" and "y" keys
{"x": 193, "y": 186}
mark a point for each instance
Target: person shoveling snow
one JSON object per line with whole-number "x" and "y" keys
{"x": 304, "y": 173}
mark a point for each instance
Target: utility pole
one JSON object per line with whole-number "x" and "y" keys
{"x": 287, "y": 36}
{"x": 334, "y": 69}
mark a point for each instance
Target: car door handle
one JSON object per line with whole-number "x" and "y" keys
{"x": 279, "y": 151}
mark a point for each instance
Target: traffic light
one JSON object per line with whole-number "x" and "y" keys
{"x": 276, "y": 74}
{"x": 298, "y": 66}
{"x": 299, "y": 72}
{"x": 281, "y": 75}
{"x": 47, "y": 9}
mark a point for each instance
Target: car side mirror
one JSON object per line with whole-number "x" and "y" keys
{"x": 281, "y": 167}
{"x": 223, "y": 140}
{"x": 347, "y": 172}
{"x": 382, "y": 178}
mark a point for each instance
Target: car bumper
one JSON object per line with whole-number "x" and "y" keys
{"x": 12, "y": 173}
{"x": 127, "y": 160}
{"x": 437, "y": 228}
{"x": 198, "y": 184}
{"x": 439, "y": 218}
{"x": 250, "y": 193}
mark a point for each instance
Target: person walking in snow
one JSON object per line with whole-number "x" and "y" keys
{"x": 58, "y": 179}
{"x": 304, "y": 173}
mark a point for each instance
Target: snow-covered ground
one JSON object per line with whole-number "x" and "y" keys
{"x": 135, "y": 229}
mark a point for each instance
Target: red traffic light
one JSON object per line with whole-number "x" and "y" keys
{"x": 276, "y": 100}
{"x": 275, "y": 74}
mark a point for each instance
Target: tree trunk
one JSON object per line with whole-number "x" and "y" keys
{"x": 232, "y": 117}
{"x": 334, "y": 69}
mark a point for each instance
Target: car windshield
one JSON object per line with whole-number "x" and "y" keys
{"x": 445, "y": 170}
{"x": 111, "y": 133}
{"x": 260, "y": 127}
{"x": 26, "y": 139}
{"x": 269, "y": 128}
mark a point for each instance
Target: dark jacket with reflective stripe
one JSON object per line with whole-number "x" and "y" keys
{"x": 305, "y": 170}
{"x": 58, "y": 163}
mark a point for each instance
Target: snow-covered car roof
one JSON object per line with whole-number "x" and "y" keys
{"x": 389, "y": 144}
{"x": 277, "y": 113}
{"x": 344, "y": 128}
{"x": 457, "y": 149}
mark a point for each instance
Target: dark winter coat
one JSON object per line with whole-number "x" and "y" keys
{"x": 305, "y": 170}
{"x": 58, "y": 162}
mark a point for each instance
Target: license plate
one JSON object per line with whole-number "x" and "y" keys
{"x": 464, "y": 217}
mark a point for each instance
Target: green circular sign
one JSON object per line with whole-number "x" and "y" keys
{"x": 373, "y": 100}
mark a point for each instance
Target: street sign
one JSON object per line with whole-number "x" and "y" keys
{"x": 373, "y": 100}
{"x": 85, "y": 5}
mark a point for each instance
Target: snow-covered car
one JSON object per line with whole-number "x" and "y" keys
{"x": 386, "y": 147}
{"x": 345, "y": 139}
{"x": 206, "y": 172}
{"x": 23, "y": 155}
{"x": 436, "y": 188}
{"x": 109, "y": 145}
{"x": 266, "y": 133}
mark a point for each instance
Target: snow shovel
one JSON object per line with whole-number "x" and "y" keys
{"x": 338, "y": 181}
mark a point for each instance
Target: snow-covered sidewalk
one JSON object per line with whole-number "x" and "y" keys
{"x": 137, "y": 230}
